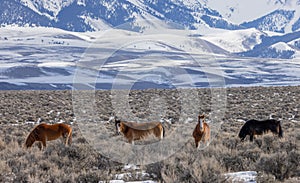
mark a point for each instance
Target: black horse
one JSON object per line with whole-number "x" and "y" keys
{"x": 255, "y": 127}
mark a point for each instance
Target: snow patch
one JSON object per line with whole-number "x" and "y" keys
{"x": 96, "y": 23}
{"x": 237, "y": 40}
{"x": 122, "y": 181}
{"x": 281, "y": 46}
{"x": 53, "y": 6}
{"x": 243, "y": 176}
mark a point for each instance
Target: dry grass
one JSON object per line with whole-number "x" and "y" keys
{"x": 275, "y": 160}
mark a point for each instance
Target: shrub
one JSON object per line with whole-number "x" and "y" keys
{"x": 277, "y": 164}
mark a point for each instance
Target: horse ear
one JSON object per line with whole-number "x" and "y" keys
{"x": 201, "y": 116}
{"x": 117, "y": 118}
{"x": 117, "y": 121}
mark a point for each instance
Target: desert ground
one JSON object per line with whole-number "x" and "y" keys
{"x": 274, "y": 159}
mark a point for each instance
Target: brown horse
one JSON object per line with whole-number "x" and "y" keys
{"x": 46, "y": 132}
{"x": 201, "y": 131}
{"x": 137, "y": 131}
{"x": 254, "y": 127}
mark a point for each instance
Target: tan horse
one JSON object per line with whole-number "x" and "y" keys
{"x": 46, "y": 132}
{"x": 201, "y": 131}
{"x": 137, "y": 131}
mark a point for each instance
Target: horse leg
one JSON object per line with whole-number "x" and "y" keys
{"x": 66, "y": 137}
{"x": 204, "y": 138}
{"x": 69, "y": 139}
{"x": 197, "y": 143}
{"x": 251, "y": 137}
{"x": 276, "y": 131}
{"x": 131, "y": 141}
{"x": 44, "y": 143}
{"x": 208, "y": 136}
{"x": 39, "y": 144}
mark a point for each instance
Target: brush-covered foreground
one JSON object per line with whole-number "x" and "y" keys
{"x": 274, "y": 159}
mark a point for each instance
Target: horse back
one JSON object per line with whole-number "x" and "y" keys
{"x": 138, "y": 131}
{"x": 54, "y": 131}
{"x": 142, "y": 126}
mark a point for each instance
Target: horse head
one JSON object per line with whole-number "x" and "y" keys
{"x": 201, "y": 120}
{"x": 118, "y": 126}
{"x": 28, "y": 143}
{"x": 242, "y": 135}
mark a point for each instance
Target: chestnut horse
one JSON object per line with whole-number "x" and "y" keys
{"x": 46, "y": 132}
{"x": 201, "y": 131}
{"x": 137, "y": 131}
{"x": 255, "y": 127}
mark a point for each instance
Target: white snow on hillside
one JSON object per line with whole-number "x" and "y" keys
{"x": 279, "y": 22}
{"x": 95, "y": 23}
{"x": 32, "y": 34}
{"x": 146, "y": 20}
{"x": 53, "y": 6}
{"x": 239, "y": 11}
{"x": 271, "y": 33}
{"x": 295, "y": 42}
{"x": 296, "y": 45}
{"x": 281, "y": 46}
{"x": 237, "y": 40}
{"x": 290, "y": 5}
{"x": 163, "y": 57}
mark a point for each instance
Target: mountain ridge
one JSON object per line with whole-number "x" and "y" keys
{"x": 138, "y": 15}
{"x": 81, "y": 15}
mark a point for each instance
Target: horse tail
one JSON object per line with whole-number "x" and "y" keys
{"x": 163, "y": 130}
{"x": 159, "y": 131}
{"x": 70, "y": 136}
{"x": 207, "y": 132}
{"x": 66, "y": 131}
{"x": 280, "y": 132}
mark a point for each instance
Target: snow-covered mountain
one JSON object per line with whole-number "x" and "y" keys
{"x": 246, "y": 28}
{"x": 82, "y": 15}
{"x": 277, "y": 21}
{"x": 272, "y": 15}
{"x": 90, "y": 15}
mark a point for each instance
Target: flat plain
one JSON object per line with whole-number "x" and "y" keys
{"x": 274, "y": 159}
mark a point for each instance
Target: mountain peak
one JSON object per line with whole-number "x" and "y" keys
{"x": 78, "y": 15}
